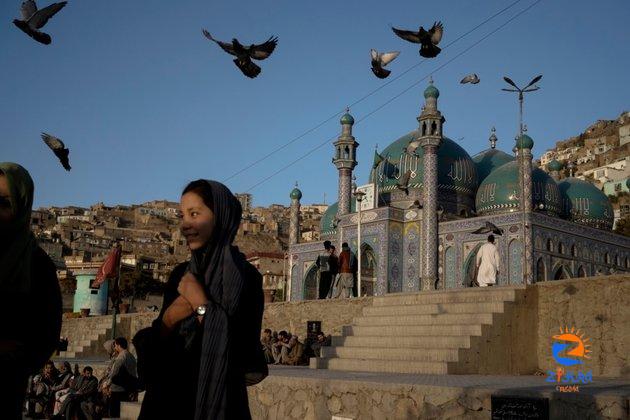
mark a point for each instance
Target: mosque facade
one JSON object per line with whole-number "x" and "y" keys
{"x": 426, "y": 196}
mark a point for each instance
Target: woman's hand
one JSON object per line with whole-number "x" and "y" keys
{"x": 192, "y": 291}
{"x": 178, "y": 310}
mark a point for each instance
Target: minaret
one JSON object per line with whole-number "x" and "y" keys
{"x": 430, "y": 136}
{"x": 524, "y": 146}
{"x": 345, "y": 160}
{"x": 294, "y": 221}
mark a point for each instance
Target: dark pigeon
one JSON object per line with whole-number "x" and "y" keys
{"x": 489, "y": 228}
{"x": 380, "y": 60}
{"x": 244, "y": 55}
{"x": 428, "y": 40}
{"x": 58, "y": 148}
{"x": 34, "y": 19}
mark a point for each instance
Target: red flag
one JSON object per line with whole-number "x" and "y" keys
{"x": 109, "y": 269}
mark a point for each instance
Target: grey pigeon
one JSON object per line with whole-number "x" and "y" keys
{"x": 244, "y": 55}
{"x": 428, "y": 39}
{"x": 415, "y": 205}
{"x": 403, "y": 182}
{"x": 471, "y": 78}
{"x": 412, "y": 147}
{"x": 34, "y": 19}
{"x": 380, "y": 60}
{"x": 488, "y": 228}
{"x": 58, "y": 148}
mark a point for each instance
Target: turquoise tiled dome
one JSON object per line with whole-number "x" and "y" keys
{"x": 347, "y": 119}
{"x": 296, "y": 194}
{"x": 525, "y": 142}
{"x": 328, "y": 219}
{"x": 584, "y": 203}
{"x": 500, "y": 191}
{"x": 456, "y": 170}
{"x": 489, "y": 160}
{"x": 431, "y": 92}
{"x": 554, "y": 165}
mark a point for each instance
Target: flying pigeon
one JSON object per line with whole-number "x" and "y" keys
{"x": 415, "y": 205}
{"x": 488, "y": 228}
{"x": 380, "y": 60}
{"x": 428, "y": 40}
{"x": 412, "y": 147}
{"x": 33, "y": 19}
{"x": 403, "y": 182}
{"x": 244, "y": 55}
{"x": 58, "y": 148}
{"x": 471, "y": 78}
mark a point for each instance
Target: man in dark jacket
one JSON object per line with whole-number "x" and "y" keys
{"x": 84, "y": 391}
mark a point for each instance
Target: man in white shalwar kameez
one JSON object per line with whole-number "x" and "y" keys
{"x": 487, "y": 263}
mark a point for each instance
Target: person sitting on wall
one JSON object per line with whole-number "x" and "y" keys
{"x": 322, "y": 340}
{"x": 296, "y": 355}
{"x": 283, "y": 347}
{"x": 83, "y": 390}
{"x": 39, "y": 392}
{"x": 267, "y": 342}
{"x": 122, "y": 378}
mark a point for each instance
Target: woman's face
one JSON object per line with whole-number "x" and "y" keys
{"x": 197, "y": 220}
{"x": 6, "y": 211}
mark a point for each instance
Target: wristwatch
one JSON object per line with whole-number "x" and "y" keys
{"x": 201, "y": 310}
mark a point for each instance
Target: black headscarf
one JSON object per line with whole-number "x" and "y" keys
{"x": 220, "y": 266}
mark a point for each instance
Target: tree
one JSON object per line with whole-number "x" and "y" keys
{"x": 623, "y": 226}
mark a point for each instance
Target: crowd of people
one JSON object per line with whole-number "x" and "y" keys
{"x": 337, "y": 273}
{"x": 61, "y": 393}
{"x": 284, "y": 348}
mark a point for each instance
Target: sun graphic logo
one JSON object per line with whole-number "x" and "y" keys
{"x": 574, "y": 346}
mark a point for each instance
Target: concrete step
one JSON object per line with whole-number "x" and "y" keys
{"x": 412, "y": 330}
{"x": 469, "y": 295}
{"x": 387, "y": 366}
{"x": 130, "y": 410}
{"x": 407, "y": 342}
{"x": 433, "y": 308}
{"x": 67, "y": 354}
{"x": 430, "y": 319}
{"x": 383, "y": 353}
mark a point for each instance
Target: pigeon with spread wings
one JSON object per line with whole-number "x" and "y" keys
{"x": 58, "y": 148}
{"x": 489, "y": 227}
{"x": 428, "y": 40}
{"x": 34, "y": 19}
{"x": 244, "y": 55}
{"x": 471, "y": 78}
{"x": 380, "y": 60}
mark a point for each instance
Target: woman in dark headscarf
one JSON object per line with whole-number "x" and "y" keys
{"x": 30, "y": 299}
{"x": 202, "y": 350}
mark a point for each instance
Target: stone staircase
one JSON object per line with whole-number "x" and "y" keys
{"x": 464, "y": 331}
{"x": 86, "y": 336}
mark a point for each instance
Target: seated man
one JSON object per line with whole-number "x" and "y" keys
{"x": 267, "y": 345}
{"x": 84, "y": 389}
{"x": 282, "y": 347}
{"x": 321, "y": 341}
{"x": 120, "y": 379}
{"x": 295, "y": 355}
{"x": 39, "y": 393}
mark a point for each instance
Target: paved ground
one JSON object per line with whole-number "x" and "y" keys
{"x": 502, "y": 384}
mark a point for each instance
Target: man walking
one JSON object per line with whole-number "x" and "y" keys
{"x": 487, "y": 263}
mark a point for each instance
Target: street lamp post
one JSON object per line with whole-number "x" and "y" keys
{"x": 359, "y": 196}
{"x": 524, "y": 208}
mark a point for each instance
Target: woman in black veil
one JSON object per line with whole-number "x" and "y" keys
{"x": 203, "y": 349}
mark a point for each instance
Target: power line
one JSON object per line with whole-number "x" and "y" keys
{"x": 396, "y": 96}
{"x": 364, "y": 97}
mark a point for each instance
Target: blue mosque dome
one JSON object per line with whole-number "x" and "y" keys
{"x": 347, "y": 119}
{"x": 296, "y": 194}
{"x": 431, "y": 92}
{"x": 554, "y": 165}
{"x": 456, "y": 170}
{"x": 489, "y": 160}
{"x": 499, "y": 192}
{"x": 584, "y": 203}
{"x": 525, "y": 142}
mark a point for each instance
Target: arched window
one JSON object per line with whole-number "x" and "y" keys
{"x": 549, "y": 245}
{"x": 574, "y": 251}
{"x": 607, "y": 258}
{"x": 581, "y": 272}
{"x": 617, "y": 260}
{"x": 561, "y": 248}
{"x": 540, "y": 270}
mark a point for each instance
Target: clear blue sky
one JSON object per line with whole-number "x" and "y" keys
{"x": 145, "y": 103}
